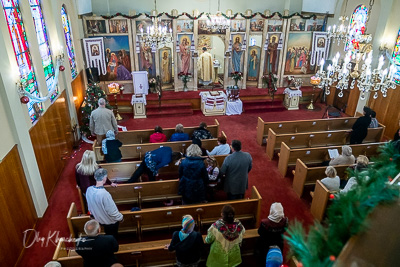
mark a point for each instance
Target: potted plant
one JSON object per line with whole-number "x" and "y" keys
{"x": 185, "y": 77}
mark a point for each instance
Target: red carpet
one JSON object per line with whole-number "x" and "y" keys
{"x": 264, "y": 175}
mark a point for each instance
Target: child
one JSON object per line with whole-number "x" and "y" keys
{"x": 110, "y": 147}
{"x": 213, "y": 172}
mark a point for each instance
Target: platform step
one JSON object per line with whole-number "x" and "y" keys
{"x": 169, "y": 112}
{"x": 169, "y": 106}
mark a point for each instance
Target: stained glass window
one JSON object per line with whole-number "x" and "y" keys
{"x": 22, "y": 55}
{"x": 396, "y": 59}
{"x": 357, "y": 26}
{"x": 44, "y": 47}
{"x": 68, "y": 40}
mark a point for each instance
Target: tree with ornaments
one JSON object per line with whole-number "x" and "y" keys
{"x": 93, "y": 94}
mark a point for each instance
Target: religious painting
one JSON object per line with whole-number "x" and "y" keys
{"x": 297, "y": 60}
{"x": 275, "y": 25}
{"x": 143, "y": 25}
{"x": 166, "y": 24}
{"x": 184, "y": 25}
{"x": 238, "y": 47}
{"x": 96, "y": 26}
{"x": 118, "y": 26}
{"x": 118, "y": 60}
{"x": 185, "y": 42}
{"x": 297, "y": 25}
{"x": 94, "y": 50}
{"x": 256, "y": 25}
{"x": 320, "y": 47}
{"x": 238, "y": 25}
{"x": 204, "y": 41}
{"x": 166, "y": 65}
{"x": 204, "y": 29}
{"x": 146, "y": 59}
{"x": 314, "y": 24}
{"x": 253, "y": 63}
{"x": 274, "y": 43}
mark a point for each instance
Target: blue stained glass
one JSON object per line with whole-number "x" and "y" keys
{"x": 68, "y": 40}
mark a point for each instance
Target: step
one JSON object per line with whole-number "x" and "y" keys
{"x": 261, "y": 101}
{"x": 169, "y": 106}
{"x": 169, "y": 112}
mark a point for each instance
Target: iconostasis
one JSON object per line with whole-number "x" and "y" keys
{"x": 253, "y": 44}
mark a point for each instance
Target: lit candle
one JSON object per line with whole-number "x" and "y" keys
{"x": 380, "y": 64}
{"x": 321, "y": 63}
{"x": 392, "y": 71}
{"x": 334, "y": 28}
{"x": 384, "y": 75}
{"x": 141, "y": 31}
{"x": 329, "y": 29}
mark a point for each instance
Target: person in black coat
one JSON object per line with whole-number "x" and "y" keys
{"x": 193, "y": 177}
{"x": 110, "y": 147}
{"x": 360, "y": 127}
{"x": 397, "y": 134}
{"x": 187, "y": 243}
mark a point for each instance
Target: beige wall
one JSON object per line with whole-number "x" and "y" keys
{"x": 6, "y": 133}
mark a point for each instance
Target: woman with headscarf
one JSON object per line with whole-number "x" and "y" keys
{"x": 360, "y": 127}
{"x": 110, "y": 147}
{"x": 271, "y": 231}
{"x": 193, "y": 176}
{"x": 346, "y": 158}
{"x": 225, "y": 237}
{"x": 187, "y": 244}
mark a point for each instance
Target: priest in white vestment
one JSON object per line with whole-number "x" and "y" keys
{"x": 205, "y": 66}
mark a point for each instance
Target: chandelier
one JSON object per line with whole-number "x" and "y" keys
{"x": 157, "y": 36}
{"x": 218, "y": 21}
{"x": 369, "y": 80}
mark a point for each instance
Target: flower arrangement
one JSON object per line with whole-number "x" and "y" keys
{"x": 185, "y": 77}
{"x": 269, "y": 80}
{"x": 237, "y": 76}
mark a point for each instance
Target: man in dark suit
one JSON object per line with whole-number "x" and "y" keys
{"x": 97, "y": 250}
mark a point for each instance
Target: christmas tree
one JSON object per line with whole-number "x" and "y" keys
{"x": 93, "y": 94}
{"x": 348, "y": 212}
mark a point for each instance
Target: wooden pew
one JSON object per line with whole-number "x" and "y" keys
{"x": 304, "y": 175}
{"x": 171, "y": 217}
{"x": 316, "y": 155}
{"x": 320, "y": 201}
{"x": 143, "y": 136}
{"x": 122, "y": 171}
{"x": 150, "y": 253}
{"x": 137, "y": 151}
{"x": 301, "y": 126}
{"x": 315, "y": 139}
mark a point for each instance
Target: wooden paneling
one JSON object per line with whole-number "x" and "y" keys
{"x": 387, "y": 110}
{"x": 17, "y": 212}
{"x": 350, "y": 103}
{"x": 52, "y": 139}
{"x": 78, "y": 90}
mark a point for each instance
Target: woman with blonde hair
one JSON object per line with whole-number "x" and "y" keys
{"x": 346, "y": 158}
{"x": 332, "y": 181}
{"x": 193, "y": 176}
{"x": 84, "y": 173}
{"x": 362, "y": 164}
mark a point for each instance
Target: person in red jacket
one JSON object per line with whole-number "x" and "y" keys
{"x": 158, "y": 136}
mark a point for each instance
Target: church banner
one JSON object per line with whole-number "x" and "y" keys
{"x": 94, "y": 53}
{"x": 320, "y": 47}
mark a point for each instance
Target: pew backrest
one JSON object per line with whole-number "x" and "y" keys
{"x": 316, "y": 155}
{"x": 315, "y": 139}
{"x": 320, "y": 201}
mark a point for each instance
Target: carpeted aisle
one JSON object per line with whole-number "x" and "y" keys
{"x": 264, "y": 175}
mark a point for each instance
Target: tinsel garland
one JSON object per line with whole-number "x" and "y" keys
{"x": 297, "y": 14}
{"x": 347, "y": 214}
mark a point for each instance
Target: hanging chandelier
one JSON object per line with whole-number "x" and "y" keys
{"x": 369, "y": 80}
{"x": 157, "y": 36}
{"x": 218, "y": 21}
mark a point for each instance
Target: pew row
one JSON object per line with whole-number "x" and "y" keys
{"x": 304, "y": 175}
{"x": 143, "y": 136}
{"x": 122, "y": 171}
{"x": 301, "y": 126}
{"x": 171, "y": 217}
{"x": 137, "y": 151}
{"x": 315, "y": 139}
{"x": 320, "y": 201}
{"x": 316, "y": 155}
{"x": 151, "y": 253}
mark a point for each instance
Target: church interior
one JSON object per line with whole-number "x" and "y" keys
{"x": 289, "y": 79}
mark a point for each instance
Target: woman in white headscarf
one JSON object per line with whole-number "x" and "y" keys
{"x": 110, "y": 147}
{"x": 271, "y": 231}
{"x": 346, "y": 158}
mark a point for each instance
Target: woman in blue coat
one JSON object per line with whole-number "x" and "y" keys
{"x": 193, "y": 176}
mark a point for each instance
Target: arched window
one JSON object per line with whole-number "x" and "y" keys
{"x": 22, "y": 55}
{"x": 396, "y": 58}
{"x": 357, "y": 26}
{"x": 44, "y": 47}
{"x": 68, "y": 40}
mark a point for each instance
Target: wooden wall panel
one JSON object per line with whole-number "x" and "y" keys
{"x": 52, "y": 139}
{"x": 79, "y": 91}
{"x": 17, "y": 212}
{"x": 387, "y": 110}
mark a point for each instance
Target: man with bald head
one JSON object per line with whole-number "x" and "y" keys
{"x": 96, "y": 250}
{"x": 102, "y": 120}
